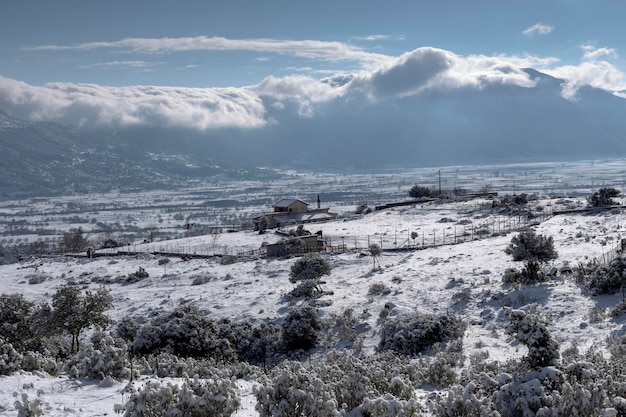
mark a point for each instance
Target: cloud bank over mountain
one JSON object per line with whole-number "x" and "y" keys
{"x": 414, "y": 74}
{"x": 425, "y": 102}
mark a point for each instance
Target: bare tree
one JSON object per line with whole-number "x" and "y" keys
{"x": 375, "y": 251}
{"x": 216, "y": 234}
{"x": 152, "y": 232}
{"x": 74, "y": 241}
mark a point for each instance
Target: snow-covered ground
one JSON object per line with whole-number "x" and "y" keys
{"x": 464, "y": 278}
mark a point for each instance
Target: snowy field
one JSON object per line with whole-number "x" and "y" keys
{"x": 464, "y": 278}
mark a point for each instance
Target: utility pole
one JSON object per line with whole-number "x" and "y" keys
{"x": 440, "y": 183}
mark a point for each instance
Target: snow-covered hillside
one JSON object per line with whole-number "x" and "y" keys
{"x": 463, "y": 278}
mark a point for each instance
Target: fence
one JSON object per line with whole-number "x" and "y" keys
{"x": 446, "y": 235}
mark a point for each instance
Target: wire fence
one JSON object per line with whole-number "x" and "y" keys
{"x": 447, "y": 234}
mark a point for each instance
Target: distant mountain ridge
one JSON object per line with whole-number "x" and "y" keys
{"x": 43, "y": 158}
{"x": 499, "y": 123}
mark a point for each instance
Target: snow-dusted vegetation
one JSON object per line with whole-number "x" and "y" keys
{"x": 435, "y": 325}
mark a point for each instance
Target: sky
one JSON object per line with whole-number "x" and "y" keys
{"x": 228, "y": 64}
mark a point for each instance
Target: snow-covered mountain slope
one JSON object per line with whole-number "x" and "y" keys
{"x": 464, "y": 278}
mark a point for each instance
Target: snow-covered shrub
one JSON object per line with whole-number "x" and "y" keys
{"x": 378, "y": 288}
{"x": 192, "y": 398}
{"x": 183, "y": 332}
{"x": 355, "y": 379}
{"x": 309, "y": 267}
{"x": 36, "y": 361}
{"x": 301, "y": 328}
{"x": 438, "y": 371}
{"x": 413, "y": 334}
{"x": 127, "y": 329}
{"x": 10, "y": 359}
{"x": 530, "y": 328}
{"x": 529, "y": 393}
{"x": 27, "y": 407}
{"x": 186, "y": 332}
{"x": 390, "y": 406}
{"x": 200, "y": 280}
{"x": 535, "y": 250}
{"x": 607, "y": 279}
{"x": 603, "y": 197}
{"x": 338, "y": 383}
{"x": 344, "y": 328}
{"x": 16, "y": 321}
{"x": 525, "y": 276}
{"x": 296, "y": 391}
{"x": 138, "y": 275}
{"x": 256, "y": 344}
{"x": 305, "y": 289}
{"x": 103, "y": 357}
{"x": 618, "y": 310}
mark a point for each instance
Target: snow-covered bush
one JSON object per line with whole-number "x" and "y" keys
{"x": 138, "y": 275}
{"x": 103, "y": 357}
{"x": 344, "y": 329}
{"x": 378, "y": 288}
{"x": 305, "y": 289}
{"x": 301, "y": 328}
{"x": 413, "y": 334}
{"x": 390, "y": 406}
{"x": 36, "y": 361}
{"x": 294, "y": 392}
{"x": 309, "y": 267}
{"x": 186, "y": 332}
{"x": 355, "y": 379}
{"x": 438, "y": 371}
{"x": 10, "y": 359}
{"x": 606, "y": 279}
{"x": 16, "y": 321}
{"x": 256, "y": 344}
{"x": 530, "y": 328}
{"x": 27, "y": 407}
{"x": 535, "y": 250}
{"x": 183, "y": 332}
{"x": 191, "y": 398}
{"x": 338, "y": 383}
{"x": 127, "y": 329}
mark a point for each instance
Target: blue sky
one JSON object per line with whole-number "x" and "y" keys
{"x": 90, "y": 62}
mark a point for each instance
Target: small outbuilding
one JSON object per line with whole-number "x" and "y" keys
{"x": 287, "y": 212}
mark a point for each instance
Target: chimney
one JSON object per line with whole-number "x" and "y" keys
{"x": 318, "y": 201}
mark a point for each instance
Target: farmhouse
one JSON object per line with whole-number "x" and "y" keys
{"x": 292, "y": 211}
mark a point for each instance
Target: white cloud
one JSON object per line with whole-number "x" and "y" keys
{"x": 591, "y": 53}
{"x": 113, "y": 64}
{"x": 436, "y": 69}
{"x": 93, "y": 105}
{"x": 591, "y": 71}
{"x": 311, "y": 49}
{"x": 372, "y": 38}
{"x": 304, "y": 92}
{"x": 538, "y": 29}
{"x": 275, "y": 99}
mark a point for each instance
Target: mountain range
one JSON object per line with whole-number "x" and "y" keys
{"x": 492, "y": 124}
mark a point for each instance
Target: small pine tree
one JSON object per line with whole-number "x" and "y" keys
{"x": 309, "y": 268}
{"x": 418, "y": 191}
{"x": 603, "y": 197}
{"x": 534, "y": 249}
